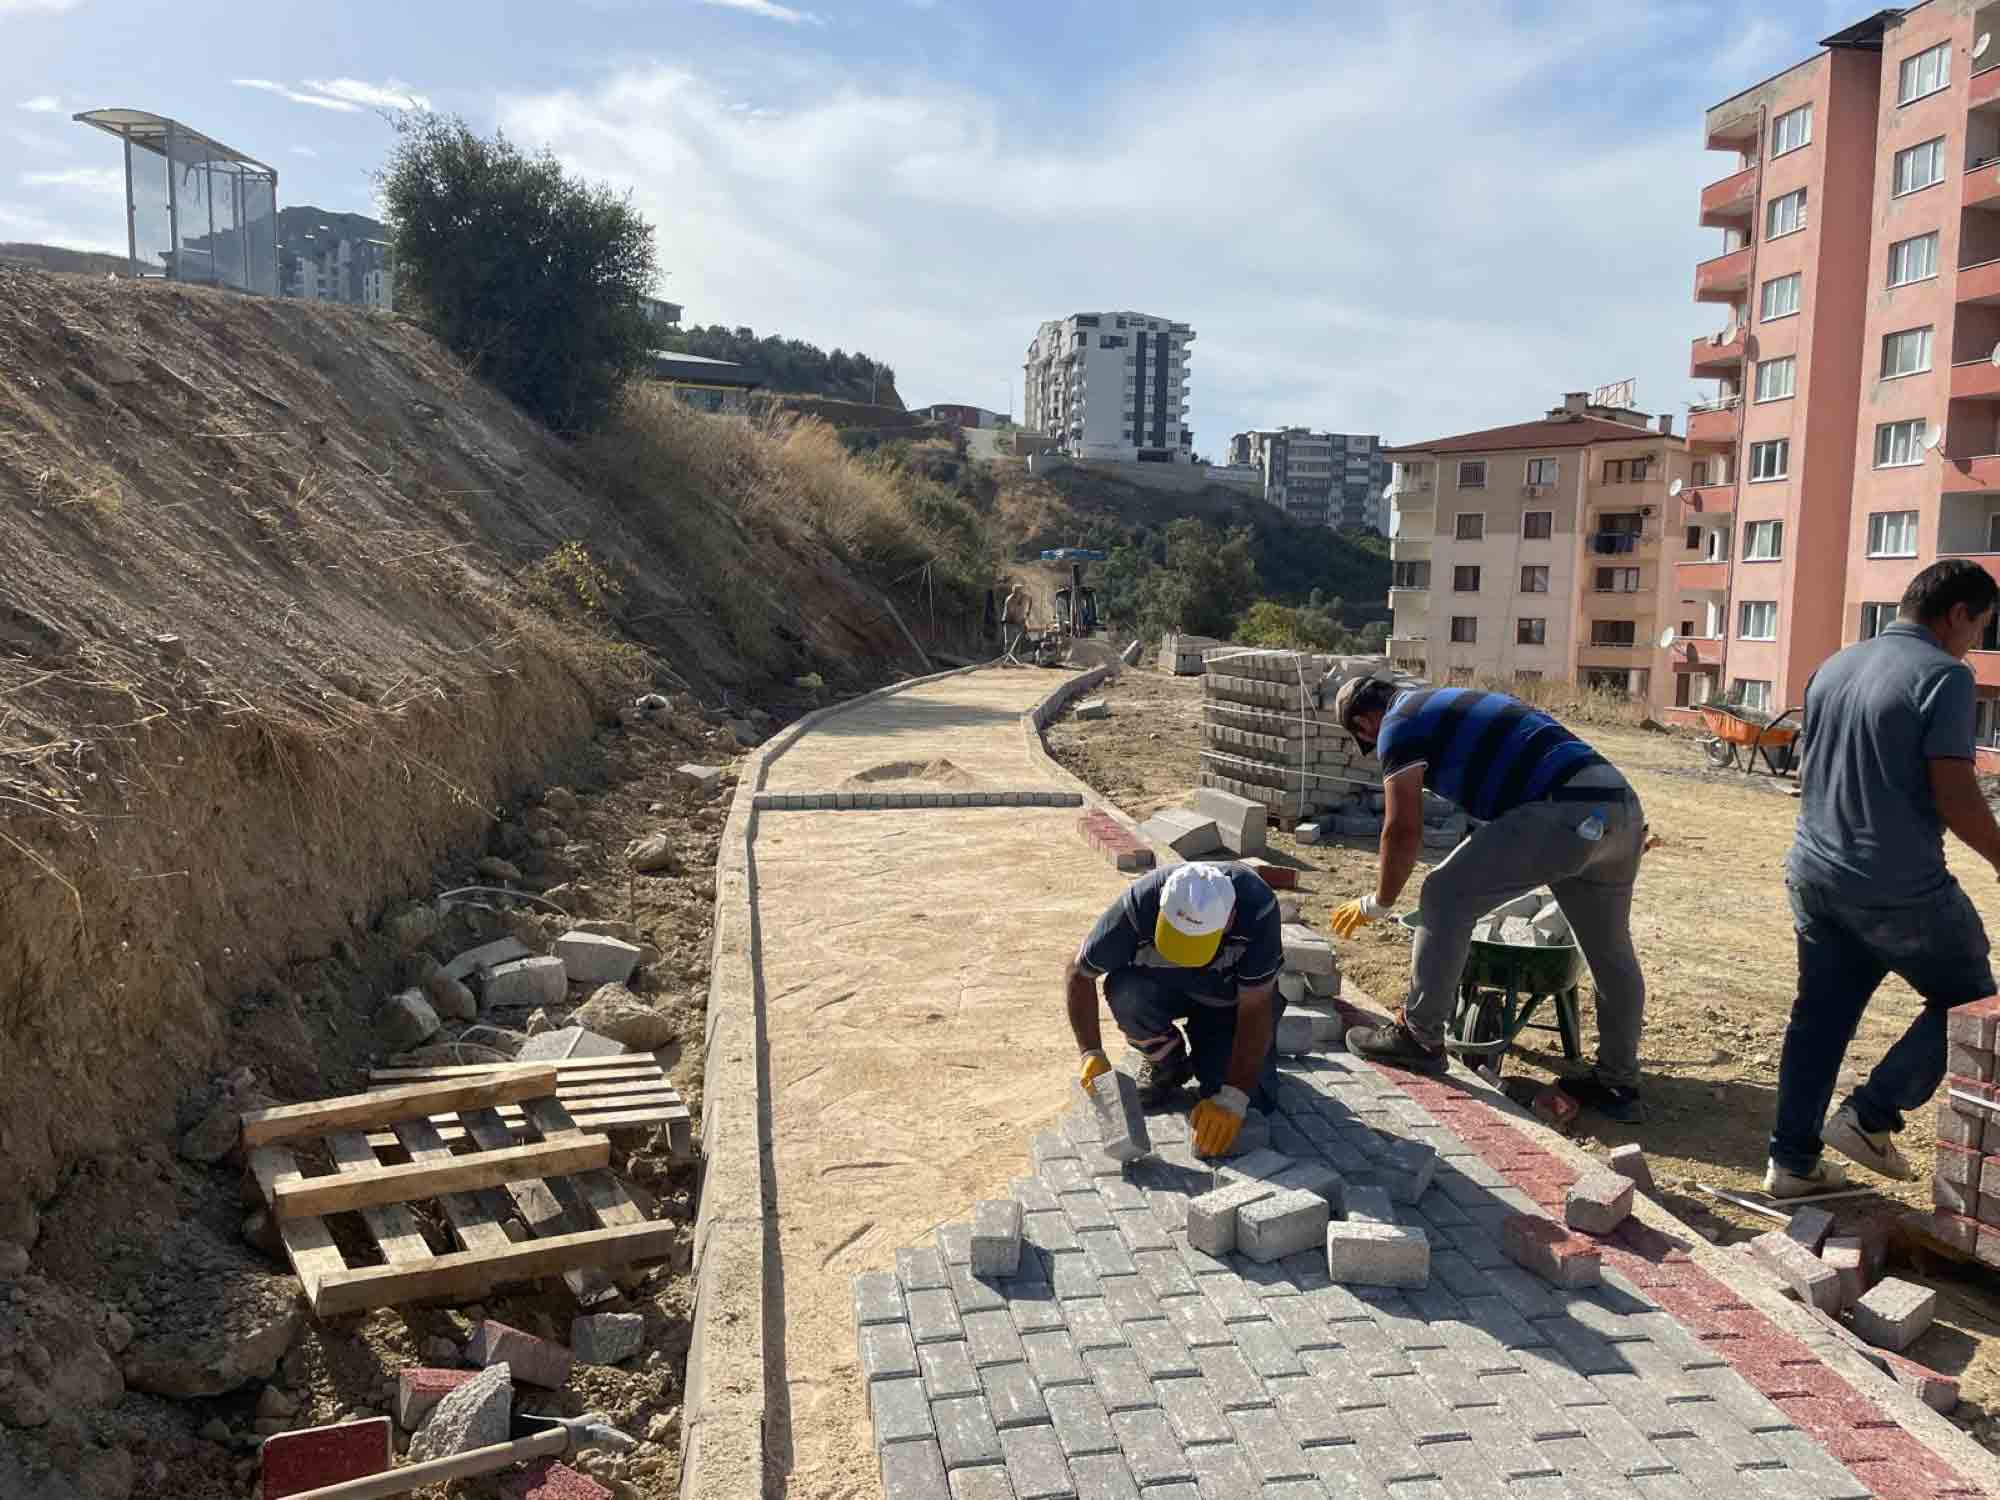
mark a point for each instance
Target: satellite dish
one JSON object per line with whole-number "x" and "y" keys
{"x": 1979, "y": 47}
{"x": 1994, "y": 357}
{"x": 1934, "y": 438}
{"x": 1675, "y": 488}
{"x": 1667, "y": 638}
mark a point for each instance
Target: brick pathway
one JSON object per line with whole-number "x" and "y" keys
{"x": 1120, "y": 1362}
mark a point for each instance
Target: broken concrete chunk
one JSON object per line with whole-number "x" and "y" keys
{"x": 615, "y": 1012}
{"x": 1893, "y": 1314}
{"x": 526, "y": 983}
{"x": 1093, "y": 708}
{"x": 653, "y": 855}
{"x": 706, "y": 780}
{"x": 406, "y": 1020}
{"x": 534, "y": 1361}
{"x": 607, "y": 1338}
{"x": 476, "y": 1415}
{"x": 1188, "y": 834}
{"x": 567, "y": 1041}
{"x": 448, "y": 996}
{"x": 420, "y": 1387}
{"x": 486, "y": 956}
{"x": 593, "y": 958}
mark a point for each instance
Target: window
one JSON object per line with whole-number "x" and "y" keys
{"x": 1918, "y": 166}
{"x": 1776, "y": 377}
{"x": 1763, "y": 541}
{"x": 1472, "y": 474}
{"x": 1791, "y": 130}
{"x": 1535, "y": 579}
{"x": 1542, "y": 470}
{"x": 1617, "y": 580}
{"x": 1926, "y": 73}
{"x": 1770, "y": 460}
{"x": 1874, "y": 617}
{"x": 1898, "y": 443}
{"x": 1892, "y": 533}
{"x": 1464, "y": 630}
{"x": 1785, "y": 215}
{"x": 1471, "y": 525}
{"x": 1986, "y": 722}
{"x": 1754, "y": 692}
{"x": 1613, "y": 632}
{"x": 1627, "y": 470}
{"x": 1757, "y": 621}
{"x": 1693, "y": 542}
{"x": 1914, "y": 259}
{"x": 1699, "y": 473}
{"x": 1781, "y": 297}
{"x": 1410, "y": 575}
{"x": 1537, "y": 525}
{"x": 1465, "y": 580}
{"x": 1993, "y": 533}
{"x": 1527, "y": 676}
{"x": 1531, "y": 632}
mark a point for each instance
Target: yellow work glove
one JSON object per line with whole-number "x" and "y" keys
{"x": 1217, "y": 1119}
{"x": 1348, "y": 919}
{"x": 1095, "y": 1065}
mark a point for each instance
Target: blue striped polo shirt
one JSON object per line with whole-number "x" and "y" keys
{"x": 1487, "y": 752}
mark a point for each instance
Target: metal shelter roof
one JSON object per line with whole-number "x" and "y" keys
{"x": 150, "y": 131}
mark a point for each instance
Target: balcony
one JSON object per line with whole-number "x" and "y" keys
{"x": 1717, "y": 354}
{"x": 1979, "y": 283}
{"x": 1709, "y": 499}
{"x": 1725, "y": 278}
{"x": 1714, "y": 424}
{"x": 1731, "y": 202}
{"x": 1972, "y": 475}
{"x": 1737, "y": 132}
{"x": 1691, "y": 653}
{"x": 1409, "y": 548}
{"x": 1609, "y": 547}
{"x": 1982, "y": 186}
{"x": 1700, "y": 575}
{"x": 1975, "y": 380}
{"x": 1983, "y": 92}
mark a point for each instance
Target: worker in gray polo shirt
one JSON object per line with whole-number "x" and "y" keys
{"x": 1888, "y": 768}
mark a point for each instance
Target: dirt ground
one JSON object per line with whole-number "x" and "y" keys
{"x": 143, "y": 1257}
{"x": 1714, "y": 936}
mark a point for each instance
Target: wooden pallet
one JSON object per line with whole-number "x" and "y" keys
{"x": 579, "y": 1217}
{"x": 602, "y": 1094}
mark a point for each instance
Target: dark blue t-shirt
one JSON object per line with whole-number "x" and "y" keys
{"x": 1252, "y": 951}
{"x": 1487, "y": 752}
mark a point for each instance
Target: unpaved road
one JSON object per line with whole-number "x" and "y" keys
{"x": 1714, "y": 936}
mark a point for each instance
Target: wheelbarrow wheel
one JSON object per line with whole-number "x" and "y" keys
{"x": 1721, "y": 754}
{"x": 1481, "y": 1018}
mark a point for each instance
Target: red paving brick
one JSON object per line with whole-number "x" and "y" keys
{"x": 294, "y": 1462}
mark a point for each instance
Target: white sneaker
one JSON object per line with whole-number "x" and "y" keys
{"x": 1875, "y": 1151}
{"x": 1825, "y": 1177}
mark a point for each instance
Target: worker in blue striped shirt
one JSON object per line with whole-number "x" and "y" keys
{"x": 1556, "y": 813}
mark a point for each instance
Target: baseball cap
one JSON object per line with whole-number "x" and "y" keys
{"x": 1196, "y": 903}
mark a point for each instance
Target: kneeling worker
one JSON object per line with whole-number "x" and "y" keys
{"x": 1556, "y": 814}
{"x": 1199, "y": 943}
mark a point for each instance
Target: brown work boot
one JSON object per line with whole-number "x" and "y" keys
{"x": 1160, "y": 1081}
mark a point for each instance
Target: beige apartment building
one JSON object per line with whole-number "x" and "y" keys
{"x": 1542, "y": 550}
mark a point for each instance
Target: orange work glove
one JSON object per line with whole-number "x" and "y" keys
{"x": 1217, "y": 1119}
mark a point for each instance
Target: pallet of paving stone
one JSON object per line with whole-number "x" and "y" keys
{"x": 1291, "y": 726}
{"x": 580, "y": 1220}
{"x": 603, "y": 1095}
{"x": 1965, "y": 1183}
{"x": 1181, "y": 654}
{"x": 1334, "y": 782}
{"x": 1285, "y": 806}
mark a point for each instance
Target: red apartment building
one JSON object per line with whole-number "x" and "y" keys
{"x": 1855, "y": 436}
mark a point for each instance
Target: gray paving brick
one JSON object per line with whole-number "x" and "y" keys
{"x": 1165, "y": 1273}
{"x": 1452, "y": 1379}
{"x": 1804, "y": 1456}
{"x": 1268, "y": 1445}
{"x": 1529, "y": 1295}
{"x": 1230, "y": 1378}
{"x": 1071, "y": 1276}
{"x": 877, "y": 1298}
{"x": 1194, "y": 1410}
{"x": 973, "y": 1294}
{"x": 1160, "y": 1349}
{"x": 1403, "y": 1320}
{"x": 1529, "y": 1408}
{"x": 933, "y": 1316}
{"x": 1233, "y": 1299}
{"x": 920, "y": 1270}
{"x": 1743, "y": 1401}
{"x": 1585, "y": 1466}
{"x": 954, "y": 1243}
{"x": 1308, "y": 1410}
{"x": 1035, "y": 1463}
{"x": 1198, "y": 1261}
{"x": 1344, "y": 1472}
{"x": 1266, "y": 1349}
{"x": 1050, "y": 1146}
{"x": 1120, "y": 1195}
{"x": 1036, "y": 1196}
{"x": 1273, "y": 1278}
{"x": 1098, "y": 1162}
{"x": 1197, "y": 1321}
{"x": 948, "y": 1370}
{"x": 1065, "y": 1174}
{"x": 1091, "y": 1325}
{"x": 989, "y": 1482}
{"x": 1345, "y": 1381}
{"x": 992, "y": 1338}
{"x": 1418, "y": 1407}
{"x": 1170, "y": 1209}
{"x": 1558, "y": 1378}
{"x": 1586, "y": 1349}
{"x": 1304, "y": 1325}
{"x": 1643, "y": 1403}
{"x": 1082, "y": 1424}
{"x": 1051, "y": 1232}
{"x": 1129, "y": 1297}
{"x": 900, "y": 1409}
{"x": 1387, "y": 1448}
{"x": 1012, "y": 1396}
{"x": 1476, "y": 1245}
{"x": 1147, "y": 1440}
{"x": 1120, "y": 1378}
{"x": 1725, "y": 1434}
{"x": 912, "y": 1471}
{"x": 1712, "y": 1473}
{"x": 1441, "y": 1213}
{"x": 965, "y": 1431}
{"x": 1103, "y": 1476}
{"x": 1339, "y": 1304}
{"x": 1106, "y": 1251}
{"x": 1508, "y": 1453}
{"x": 1610, "y": 1313}
{"x": 1293, "y": 1489}
{"x": 1085, "y": 1211}
{"x": 1372, "y": 1349}
{"x": 1034, "y": 1306}
{"x": 887, "y": 1352}
{"x": 1140, "y": 1230}
{"x": 1452, "y": 1271}
{"x": 1502, "y": 1322}
{"x": 1053, "y": 1359}
{"x": 1222, "y": 1469}
{"x": 1628, "y": 1449}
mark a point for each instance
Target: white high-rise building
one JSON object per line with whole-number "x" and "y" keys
{"x": 1111, "y": 385}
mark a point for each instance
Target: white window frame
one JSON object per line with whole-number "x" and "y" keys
{"x": 1759, "y": 700}
{"x": 1791, "y": 130}
{"x": 1773, "y": 213}
{"x": 1471, "y": 623}
{"x": 1911, "y": 82}
{"x": 1884, "y": 613}
{"x": 1782, "y": 384}
{"x": 1929, "y": 273}
{"x": 1548, "y": 530}
{"x": 1905, "y": 169}
{"x": 1767, "y": 616}
{"x": 1771, "y": 534}
{"x": 1544, "y": 471}
{"x": 1986, "y": 723}
{"x": 1783, "y": 447}
{"x": 1898, "y": 341}
{"x": 1458, "y": 531}
{"x": 1765, "y": 312}
{"x": 1892, "y": 529}
{"x": 1899, "y": 445}
{"x": 1466, "y": 464}
{"x": 1542, "y": 569}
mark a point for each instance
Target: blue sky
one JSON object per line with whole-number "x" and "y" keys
{"x": 1407, "y": 218}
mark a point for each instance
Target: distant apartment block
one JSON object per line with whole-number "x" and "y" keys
{"x": 332, "y": 263}
{"x": 1319, "y": 478}
{"x": 1112, "y": 386}
{"x": 1854, "y": 436}
{"x": 1540, "y": 550}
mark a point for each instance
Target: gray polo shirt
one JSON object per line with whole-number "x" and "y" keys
{"x": 1876, "y": 715}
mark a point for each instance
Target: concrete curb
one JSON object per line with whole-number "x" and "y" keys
{"x": 1038, "y": 718}
{"x": 892, "y": 801}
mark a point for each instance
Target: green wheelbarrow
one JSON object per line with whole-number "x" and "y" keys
{"x": 1504, "y": 985}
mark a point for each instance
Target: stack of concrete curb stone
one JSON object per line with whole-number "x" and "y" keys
{"x": 1182, "y": 654}
{"x": 1269, "y": 734}
{"x": 1966, "y": 1184}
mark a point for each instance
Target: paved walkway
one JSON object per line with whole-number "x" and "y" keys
{"x": 918, "y": 1048}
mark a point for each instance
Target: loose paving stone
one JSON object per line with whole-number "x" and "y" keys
{"x": 1894, "y": 1313}
{"x": 1369, "y": 1204}
{"x": 1282, "y": 1224}
{"x": 995, "y": 1246}
{"x": 1810, "y": 1226}
{"x": 533, "y": 1361}
{"x": 1212, "y": 1216}
{"x": 1598, "y": 1202}
{"x": 1113, "y": 1099}
{"x": 1809, "y": 1278}
{"x": 1550, "y": 1251}
{"x": 1843, "y": 1254}
{"x": 1362, "y": 1253}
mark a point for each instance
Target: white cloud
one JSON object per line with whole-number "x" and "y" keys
{"x": 304, "y": 151}
{"x": 392, "y": 93}
{"x": 41, "y": 104}
{"x": 88, "y": 179}
{"x": 318, "y": 101}
{"x": 768, "y": 9}
{"x": 1355, "y": 250}
{"x": 37, "y": 7}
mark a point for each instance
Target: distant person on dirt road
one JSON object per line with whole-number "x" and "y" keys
{"x": 1556, "y": 813}
{"x": 1199, "y": 944}
{"x": 1889, "y": 767}
{"x": 1014, "y": 616}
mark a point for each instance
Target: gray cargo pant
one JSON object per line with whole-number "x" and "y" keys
{"x": 1537, "y": 844}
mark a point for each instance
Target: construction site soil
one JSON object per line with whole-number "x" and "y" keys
{"x": 1714, "y": 936}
